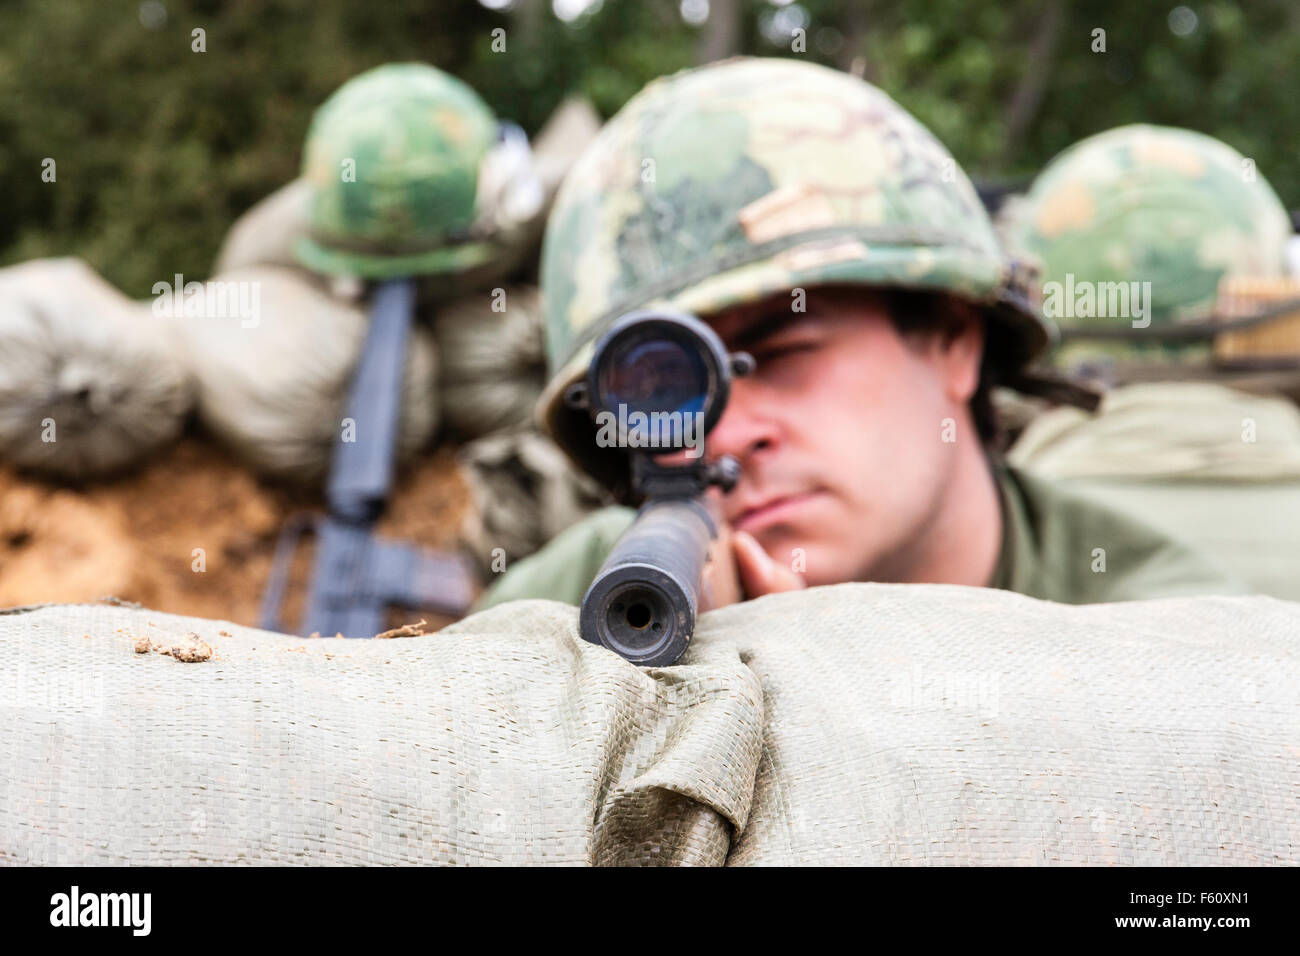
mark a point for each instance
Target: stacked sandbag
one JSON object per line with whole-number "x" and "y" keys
{"x": 493, "y": 360}
{"x": 856, "y": 724}
{"x": 1214, "y": 466}
{"x": 90, "y": 382}
{"x": 274, "y": 386}
{"x": 564, "y": 137}
{"x": 523, "y": 489}
{"x": 523, "y": 492}
{"x": 266, "y": 233}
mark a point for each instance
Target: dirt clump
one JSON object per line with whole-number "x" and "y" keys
{"x": 189, "y": 649}
{"x": 406, "y": 630}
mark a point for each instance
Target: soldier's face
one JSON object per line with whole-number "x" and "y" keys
{"x": 841, "y": 432}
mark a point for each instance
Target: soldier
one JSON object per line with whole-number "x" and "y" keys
{"x": 814, "y": 223}
{"x": 407, "y": 171}
{"x": 1184, "y": 228}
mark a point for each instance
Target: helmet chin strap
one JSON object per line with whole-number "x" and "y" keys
{"x": 509, "y": 190}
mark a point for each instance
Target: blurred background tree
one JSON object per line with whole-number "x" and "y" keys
{"x": 158, "y": 148}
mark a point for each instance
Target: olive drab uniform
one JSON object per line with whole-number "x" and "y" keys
{"x": 724, "y": 184}
{"x": 1056, "y": 546}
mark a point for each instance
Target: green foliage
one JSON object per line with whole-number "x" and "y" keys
{"x": 159, "y": 148}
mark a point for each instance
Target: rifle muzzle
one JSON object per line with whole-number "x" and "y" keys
{"x": 643, "y": 602}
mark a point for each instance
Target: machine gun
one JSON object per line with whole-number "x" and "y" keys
{"x": 657, "y": 384}
{"x": 358, "y": 576}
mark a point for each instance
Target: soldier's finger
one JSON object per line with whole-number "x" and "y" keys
{"x": 721, "y": 584}
{"x": 759, "y": 574}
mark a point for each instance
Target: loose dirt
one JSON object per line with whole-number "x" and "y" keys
{"x": 193, "y": 532}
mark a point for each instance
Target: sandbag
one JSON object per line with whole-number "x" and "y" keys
{"x": 944, "y": 725}
{"x": 90, "y": 382}
{"x": 482, "y": 747}
{"x": 266, "y": 233}
{"x": 493, "y": 360}
{"x": 1211, "y": 465}
{"x": 564, "y": 137}
{"x": 856, "y": 724}
{"x": 523, "y": 492}
{"x": 275, "y": 387}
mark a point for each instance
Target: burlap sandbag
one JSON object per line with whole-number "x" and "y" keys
{"x": 1217, "y": 467}
{"x": 90, "y": 382}
{"x": 493, "y": 744}
{"x": 493, "y": 359}
{"x": 267, "y": 232}
{"x": 275, "y": 387}
{"x": 854, "y": 724}
{"x": 523, "y": 492}
{"x": 949, "y": 725}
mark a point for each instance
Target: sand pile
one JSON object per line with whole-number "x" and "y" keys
{"x": 192, "y": 532}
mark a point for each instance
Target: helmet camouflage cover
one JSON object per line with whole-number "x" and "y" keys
{"x": 728, "y": 183}
{"x": 1140, "y": 203}
{"x": 393, "y": 159}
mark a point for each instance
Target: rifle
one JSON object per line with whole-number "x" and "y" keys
{"x": 654, "y": 372}
{"x": 357, "y": 575}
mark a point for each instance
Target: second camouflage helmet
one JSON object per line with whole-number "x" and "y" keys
{"x": 399, "y": 160}
{"x": 725, "y": 184}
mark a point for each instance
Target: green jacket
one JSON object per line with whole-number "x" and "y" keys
{"x": 1050, "y": 538}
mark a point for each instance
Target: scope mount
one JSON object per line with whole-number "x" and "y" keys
{"x": 653, "y": 480}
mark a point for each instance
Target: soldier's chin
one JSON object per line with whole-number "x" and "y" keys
{"x": 827, "y": 562}
{"x": 779, "y": 540}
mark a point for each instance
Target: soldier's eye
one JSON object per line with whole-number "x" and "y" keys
{"x": 779, "y": 350}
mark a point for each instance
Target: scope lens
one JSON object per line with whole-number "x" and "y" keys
{"x": 659, "y": 375}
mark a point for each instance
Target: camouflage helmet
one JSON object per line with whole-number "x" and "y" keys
{"x": 399, "y": 160}
{"x": 1155, "y": 204}
{"x": 724, "y": 184}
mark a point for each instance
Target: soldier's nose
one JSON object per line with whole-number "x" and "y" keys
{"x": 743, "y": 430}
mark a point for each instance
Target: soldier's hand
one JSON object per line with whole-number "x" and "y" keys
{"x": 720, "y": 584}
{"x": 758, "y": 573}
{"x": 739, "y": 570}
